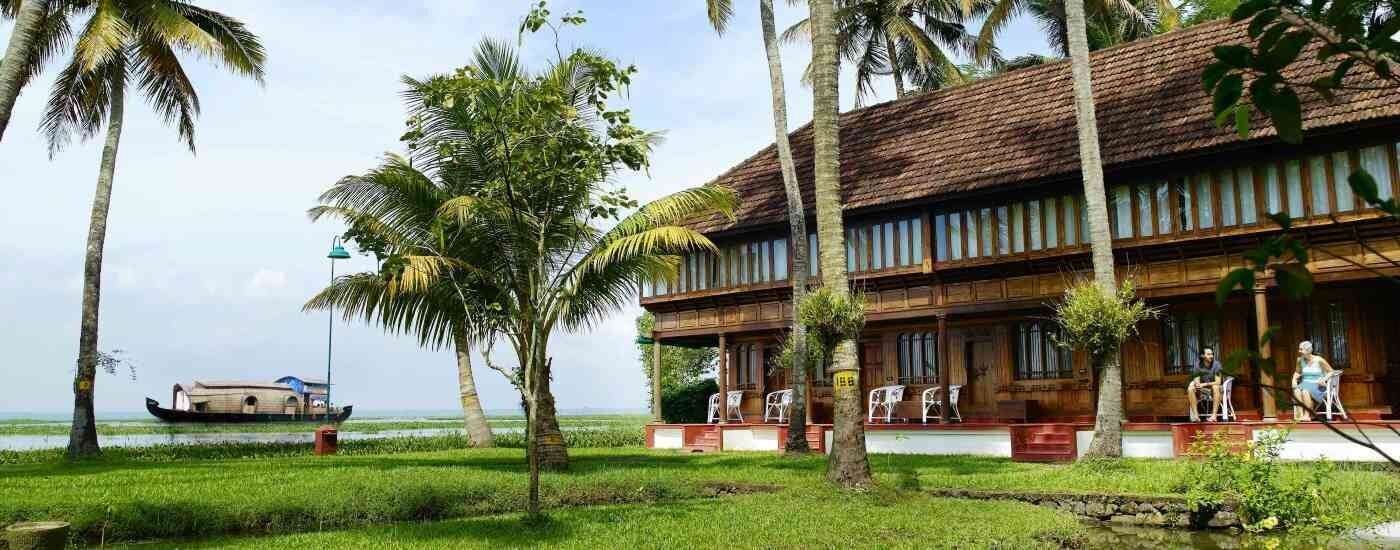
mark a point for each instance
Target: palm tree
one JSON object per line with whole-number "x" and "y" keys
{"x": 41, "y": 28}
{"x": 1108, "y": 22}
{"x": 720, "y": 11}
{"x": 530, "y": 158}
{"x": 848, "y": 465}
{"x": 1108, "y": 423}
{"x": 131, "y": 42}
{"x": 917, "y": 40}
{"x": 439, "y": 315}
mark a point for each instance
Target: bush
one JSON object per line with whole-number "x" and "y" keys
{"x": 1250, "y": 477}
{"x": 1095, "y": 321}
{"x": 688, "y": 404}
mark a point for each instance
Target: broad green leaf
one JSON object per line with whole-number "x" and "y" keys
{"x": 1339, "y": 74}
{"x": 1228, "y": 92}
{"x": 1364, "y": 186}
{"x": 1212, "y": 75}
{"x": 1239, "y": 277}
{"x": 1294, "y": 280}
{"x": 1287, "y": 114}
{"x": 1285, "y": 51}
{"x": 1243, "y": 11}
{"x": 1234, "y": 55}
{"x": 1261, "y": 21}
{"x": 1242, "y": 112}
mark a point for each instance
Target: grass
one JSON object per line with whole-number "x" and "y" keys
{"x": 364, "y": 425}
{"x": 650, "y": 498}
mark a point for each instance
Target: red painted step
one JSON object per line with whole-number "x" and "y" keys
{"x": 1043, "y": 443}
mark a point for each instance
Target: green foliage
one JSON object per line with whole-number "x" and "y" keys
{"x": 1094, "y": 321}
{"x": 1357, "y": 35}
{"x": 688, "y": 403}
{"x": 1253, "y": 480}
{"x": 680, "y": 366}
{"x": 830, "y": 318}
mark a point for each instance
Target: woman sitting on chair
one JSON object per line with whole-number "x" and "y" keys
{"x": 1207, "y": 374}
{"x": 1307, "y": 379}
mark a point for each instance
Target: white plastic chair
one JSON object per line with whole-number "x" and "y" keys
{"x": 776, "y": 404}
{"x": 884, "y": 399}
{"x": 1227, "y": 403}
{"x": 736, "y": 398}
{"x": 931, "y": 402}
{"x": 1331, "y": 392}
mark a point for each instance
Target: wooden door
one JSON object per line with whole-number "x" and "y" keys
{"x": 872, "y": 371}
{"x": 979, "y": 391}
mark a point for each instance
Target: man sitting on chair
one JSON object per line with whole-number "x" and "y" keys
{"x": 1206, "y": 374}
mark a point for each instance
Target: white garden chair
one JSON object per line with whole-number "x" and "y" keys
{"x": 776, "y": 404}
{"x": 1331, "y": 392}
{"x": 931, "y": 402}
{"x": 1227, "y": 403}
{"x": 735, "y": 399}
{"x": 883, "y": 399}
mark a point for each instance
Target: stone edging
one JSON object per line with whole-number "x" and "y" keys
{"x": 1149, "y": 511}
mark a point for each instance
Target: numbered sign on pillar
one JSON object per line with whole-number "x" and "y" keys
{"x": 844, "y": 382}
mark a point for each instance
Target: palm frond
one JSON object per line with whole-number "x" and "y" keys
{"x": 233, "y": 45}
{"x": 167, "y": 88}
{"x": 80, "y": 100}
{"x": 105, "y": 36}
{"x": 719, "y": 12}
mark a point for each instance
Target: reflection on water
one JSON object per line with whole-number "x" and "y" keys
{"x": 1123, "y": 537}
{"x": 34, "y": 442}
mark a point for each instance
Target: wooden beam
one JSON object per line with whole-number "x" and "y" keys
{"x": 1266, "y": 379}
{"x": 723, "y": 379}
{"x": 943, "y": 371}
{"x": 655, "y": 378}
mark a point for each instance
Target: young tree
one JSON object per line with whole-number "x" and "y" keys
{"x": 126, "y": 43}
{"x": 847, "y": 465}
{"x": 1108, "y": 416}
{"x": 680, "y": 366}
{"x": 720, "y": 11}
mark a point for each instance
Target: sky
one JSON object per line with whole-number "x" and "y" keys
{"x": 210, "y": 256}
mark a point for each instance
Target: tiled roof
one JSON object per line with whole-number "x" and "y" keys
{"x": 1020, "y": 127}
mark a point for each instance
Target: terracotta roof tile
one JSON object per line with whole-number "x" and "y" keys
{"x": 1020, "y": 127}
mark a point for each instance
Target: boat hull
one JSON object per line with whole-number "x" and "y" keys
{"x": 171, "y": 415}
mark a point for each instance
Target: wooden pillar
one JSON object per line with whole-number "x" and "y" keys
{"x": 1266, "y": 379}
{"x": 723, "y": 379}
{"x": 943, "y": 372}
{"x": 655, "y": 378}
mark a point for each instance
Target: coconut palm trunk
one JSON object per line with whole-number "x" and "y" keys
{"x": 847, "y": 465}
{"x": 549, "y": 439}
{"x": 23, "y": 39}
{"x": 893, "y": 55}
{"x": 1108, "y": 422}
{"x": 797, "y": 224}
{"x": 82, "y": 437}
{"x": 472, "y": 414}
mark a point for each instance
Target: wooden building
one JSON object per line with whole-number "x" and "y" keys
{"x": 964, "y": 217}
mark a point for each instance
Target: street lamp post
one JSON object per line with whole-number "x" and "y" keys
{"x": 337, "y": 253}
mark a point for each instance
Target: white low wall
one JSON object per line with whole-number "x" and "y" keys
{"x": 946, "y": 442}
{"x": 751, "y": 439}
{"x": 1135, "y": 444}
{"x": 1313, "y": 444}
{"x": 667, "y": 438}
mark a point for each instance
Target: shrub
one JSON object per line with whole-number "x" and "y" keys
{"x": 1250, "y": 477}
{"x": 831, "y": 318}
{"x": 689, "y": 403}
{"x": 1097, "y": 322}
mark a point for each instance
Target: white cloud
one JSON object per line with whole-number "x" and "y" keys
{"x": 265, "y": 283}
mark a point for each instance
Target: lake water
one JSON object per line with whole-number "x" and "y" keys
{"x": 34, "y": 442}
{"x": 1121, "y": 537}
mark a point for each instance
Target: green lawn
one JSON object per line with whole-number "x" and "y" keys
{"x": 133, "y": 499}
{"x": 363, "y": 425}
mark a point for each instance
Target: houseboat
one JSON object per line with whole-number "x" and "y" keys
{"x": 289, "y": 398}
{"x": 965, "y": 217}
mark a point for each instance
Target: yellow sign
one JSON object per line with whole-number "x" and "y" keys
{"x": 844, "y": 381}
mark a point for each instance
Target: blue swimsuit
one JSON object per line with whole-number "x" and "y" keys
{"x": 1311, "y": 377}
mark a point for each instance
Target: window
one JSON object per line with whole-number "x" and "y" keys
{"x": 1052, "y": 224}
{"x": 1325, "y": 325}
{"x": 1227, "y": 198}
{"x": 1083, "y": 221}
{"x": 1341, "y": 170}
{"x": 916, "y": 241}
{"x": 1162, "y": 196}
{"x": 1122, "y": 209}
{"x": 877, "y": 249}
{"x": 1145, "y": 218}
{"x": 1037, "y": 356}
{"x": 1185, "y": 220}
{"x": 1033, "y": 218}
{"x": 748, "y": 366}
{"x": 955, "y": 238}
{"x": 1273, "y": 194}
{"x": 985, "y": 223}
{"x": 1293, "y": 174}
{"x": 812, "y": 255}
{"x": 1183, "y": 337}
{"x": 1373, "y": 160}
{"x": 1317, "y": 183}
{"x": 1018, "y": 228}
{"x": 971, "y": 230}
{"x": 780, "y": 260}
{"x": 1249, "y": 211}
{"x": 1205, "y": 202}
{"x": 1070, "y": 219}
{"x": 918, "y": 358}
